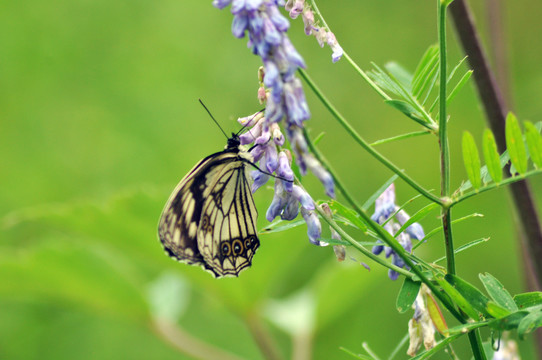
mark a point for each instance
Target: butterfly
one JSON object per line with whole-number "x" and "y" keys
{"x": 210, "y": 218}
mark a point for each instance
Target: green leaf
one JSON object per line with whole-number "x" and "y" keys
{"x": 429, "y": 81}
{"x": 529, "y": 323}
{"x": 534, "y": 143}
{"x": 509, "y": 322}
{"x": 463, "y": 247}
{"x": 471, "y": 159}
{"x": 496, "y": 310}
{"x": 504, "y": 159}
{"x": 472, "y": 295}
{"x": 332, "y": 241}
{"x": 475, "y": 298}
{"x": 427, "y": 354}
{"x": 527, "y": 300}
{"x": 408, "y": 110}
{"x": 458, "y": 86}
{"x": 348, "y": 214}
{"x": 515, "y": 145}
{"x": 497, "y": 292}
{"x": 458, "y": 298}
{"x": 400, "y": 73}
{"x": 357, "y": 356}
{"x": 422, "y": 213}
{"x": 371, "y": 200}
{"x": 400, "y": 137}
{"x": 428, "y": 61}
{"x": 318, "y": 138}
{"x": 439, "y": 228}
{"x": 407, "y": 295}
{"x": 281, "y": 225}
{"x": 454, "y": 70}
{"x": 387, "y": 82}
{"x": 491, "y": 156}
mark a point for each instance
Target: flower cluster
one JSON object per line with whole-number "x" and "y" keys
{"x": 283, "y": 95}
{"x": 267, "y": 140}
{"x": 385, "y": 207}
{"x": 322, "y": 35}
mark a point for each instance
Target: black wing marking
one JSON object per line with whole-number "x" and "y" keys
{"x": 180, "y": 218}
{"x": 227, "y": 234}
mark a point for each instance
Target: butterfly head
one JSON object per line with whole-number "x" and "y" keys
{"x": 233, "y": 142}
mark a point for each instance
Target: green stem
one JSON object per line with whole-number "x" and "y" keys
{"x": 400, "y": 137}
{"x": 443, "y": 121}
{"x": 457, "y": 199}
{"x": 362, "y": 73}
{"x": 476, "y": 345}
{"x": 474, "y": 335}
{"x": 364, "y": 143}
{"x": 388, "y": 239}
{"x": 366, "y": 77}
{"x": 360, "y": 247}
{"x": 443, "y": 141}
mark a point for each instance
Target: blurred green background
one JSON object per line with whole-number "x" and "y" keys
{"x": 100, "y": 120}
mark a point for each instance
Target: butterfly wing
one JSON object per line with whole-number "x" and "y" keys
{"x": 178, "y": 225}
{"x": 227, "y": 233}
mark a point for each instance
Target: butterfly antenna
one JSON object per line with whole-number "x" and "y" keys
{"x": 212, "y": 117}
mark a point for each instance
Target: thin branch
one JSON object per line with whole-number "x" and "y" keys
{"x": 187, "y": 344}
{"x": 262, "y": 337}
{"x": 357, "y": 137}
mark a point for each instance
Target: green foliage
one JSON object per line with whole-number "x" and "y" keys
{"x": 534, "y": 143}
{"x": 528, "y": 300}
{"x": 407, "y": 295}
{"x": 464, "y": 247}
{"x": 413, "y": 91}
{"x": 417, "y": 216}
{"x": 371, "y": 200}
{"x": 497, "y": 292}
{"x": 80, "y": 262}
{"x": 492, "y": 171}
{"x": 515, "y": 144}
{"x": 491, "y": 156}
{"x": 471, "y": 159}
{"x": 350, "y": 215}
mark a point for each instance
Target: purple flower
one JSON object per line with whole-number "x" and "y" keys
{"x": 265, "y": 27}
{"x": 286, "y": 203}
{"x": 385, "y": 207}
{"x": 322, "y": 34}
{"x": 259, "y": 178}
{"x": 295, "y": 7}
{"x": 314, "y": 228}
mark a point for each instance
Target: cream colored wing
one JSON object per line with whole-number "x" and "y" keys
{"x": 179, "y": 221}
{"x": 227, "y": 233}
{"x": 178, "y": 225}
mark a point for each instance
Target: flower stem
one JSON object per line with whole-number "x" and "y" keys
{"x": 362, "y": 73}
{"x": 364, "y": 143}
{"x": 360, "y": 247}
{"x": 383, "y": 234}
{"x": 519, "y": 177}
{"x": 443, "y": 140}
{"x": 474, "y": 335}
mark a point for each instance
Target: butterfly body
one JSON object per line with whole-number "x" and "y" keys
{"x": 210, "y": 218}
